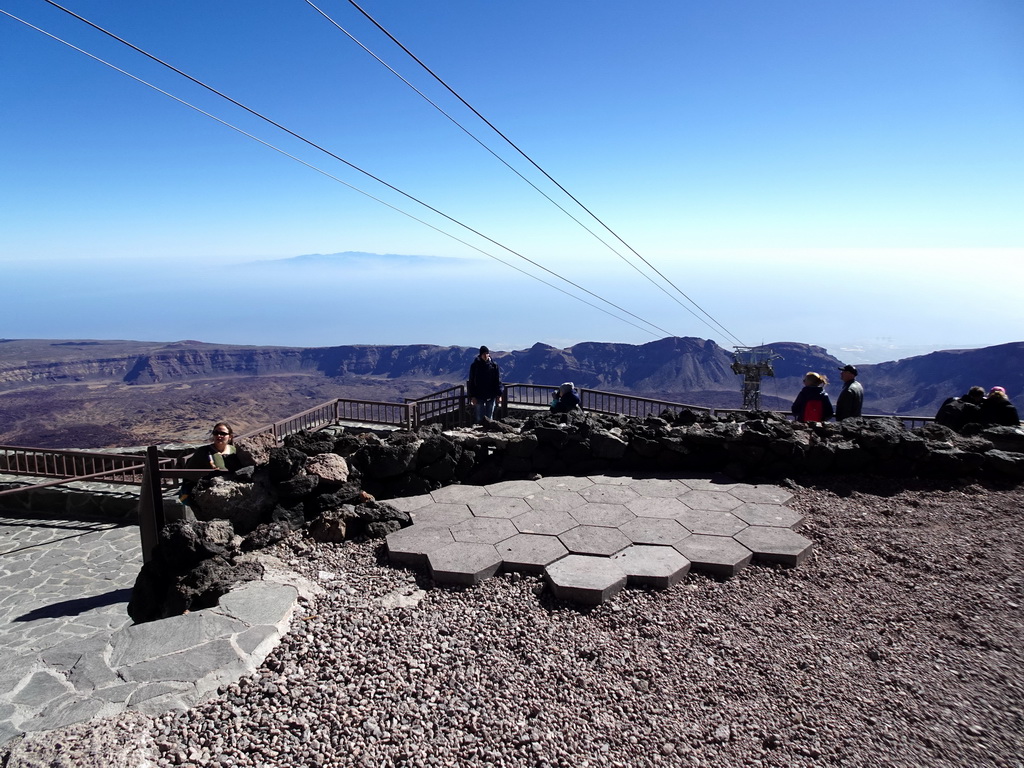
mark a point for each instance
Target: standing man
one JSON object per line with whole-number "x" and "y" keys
{"x": 851, "y": 399}
{"x": 484, "y": 385}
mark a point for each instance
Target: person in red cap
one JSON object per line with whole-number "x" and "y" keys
{"x": 851, "y": 398}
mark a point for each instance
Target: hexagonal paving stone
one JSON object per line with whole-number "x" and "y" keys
{"x": 609, "y": 494}
{"x": 555, "y": 501}
{"x": 464, "y": 563}
{"x": 564, "y": 483}
{"x": 714, "y": 483}
{"x": 484, "y": 530}
{"x": 717, "y": 555}
{"x": 586, "y": 580}
{"x": 518, "y": 488}
{"x": 774, "y": 515}
{"x": 656, "y": 487}
{"x": 440, "y": 514}
{"x": 458, "y": 494}
{"x": 717, "y": 501}
{"x": 409, "y": 503}
{"x": 498, "y": 506}
{"x": 654, "y": 530}
{"x": 594, "y": 540}
{"x": 546, "y": 523}
{"x": 667, "y": 508}
{"x": 761, "y": 494}
{"x": 608, "y": 515}
{"x": 612, "y": 479}
{"x": 658, "y": 567}
{"x": 410, "y": 546}
{"x": 775, "y": 545}
{"x": 711, "y": 523}
{"x": 530, "y": 553}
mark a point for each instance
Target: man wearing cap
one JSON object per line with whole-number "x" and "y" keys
{"x": 851, "y": 398}
{"x": 484, "y": 385}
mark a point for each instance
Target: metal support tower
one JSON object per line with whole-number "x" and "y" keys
{"x": 753, "y": 363}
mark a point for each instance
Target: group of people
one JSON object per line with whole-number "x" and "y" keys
{"x": 975, "y": 407}
{"x": 814, "y": 404}
{"x": 485, "y": 388}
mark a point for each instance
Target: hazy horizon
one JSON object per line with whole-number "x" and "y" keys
{"x": 850, "y": 176}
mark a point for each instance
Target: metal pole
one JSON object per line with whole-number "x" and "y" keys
{"x": 151, "y": 505}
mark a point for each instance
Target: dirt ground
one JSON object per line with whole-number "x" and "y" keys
{"x": 898, "y": 644}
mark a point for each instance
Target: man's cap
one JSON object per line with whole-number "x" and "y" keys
{"x": 849, "y": 369}
{"x": 484, "y": 351}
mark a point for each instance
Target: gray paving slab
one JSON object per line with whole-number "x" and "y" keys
{"x": 609, "y": 494}
{"x": 530, "y": 553}
{"x": 594, "y": 540}
{"x": 711, "y": 523}
{"x": 458, "y": 494}
{"x": 774, "y": 515}
{"x": 69, "y": 652}
{"x": 656, "y": 487}
{"x": 670, "y": 507}
{"x": 410, "y": 546}
{"x": 484, "y": 530}
{"x": 514, "y": 488}
{"x": 464, "y": 563}
{"x": 716, "y": 555}
{"x": 585, "y": 579}
{"x": 564, "y": 483}
{"x": 711, "y": 501}
{"x": 545, "y": 523}
{"x": 652, "y": 566}
{"x": 761, "y": 494}
{"x": 555, "y": 501}
{"x": 499, "y": 506}
{"x": 441, "y": 514}
{"x": 607, "y": 515}
{"x": 654, "y": 530}
{"x": 775, "y": 545}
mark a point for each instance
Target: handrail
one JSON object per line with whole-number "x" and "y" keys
{"x": 598, "y": 401}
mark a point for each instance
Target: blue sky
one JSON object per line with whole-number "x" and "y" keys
{"x": 837, "y": 173}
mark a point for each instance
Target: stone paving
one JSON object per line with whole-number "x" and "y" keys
{"x": 69, "y": 652}
{"x": 592, "y": 536}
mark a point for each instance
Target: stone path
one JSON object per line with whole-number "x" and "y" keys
{"x": 592, "y": 536}
{"x": 69, "y": 652}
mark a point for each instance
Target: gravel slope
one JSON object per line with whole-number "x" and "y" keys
{"x": 897, "y": 644}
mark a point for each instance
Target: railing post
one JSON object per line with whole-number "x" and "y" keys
{"x": 151, "y": 505}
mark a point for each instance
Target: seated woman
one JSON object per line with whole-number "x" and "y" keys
{"x": 219, "y": 456}
{"x": 997, "y": 410}
{"x": 566, "y": 398}
{"x": 813, "y": 403}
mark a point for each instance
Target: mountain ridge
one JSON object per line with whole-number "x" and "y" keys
{"x": 673, "y": 365}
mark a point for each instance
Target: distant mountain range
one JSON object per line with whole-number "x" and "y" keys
{"x": 350, "y": 259}
{"x": 688, "y": 370}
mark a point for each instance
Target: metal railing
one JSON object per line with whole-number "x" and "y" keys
{"x": 71, "y": 466}
{"x": 448, "y": 407}
{"x": 600, "y": 402}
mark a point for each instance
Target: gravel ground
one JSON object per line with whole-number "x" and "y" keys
{"x": 897, "y": 644}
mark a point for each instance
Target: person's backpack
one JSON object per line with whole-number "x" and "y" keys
{"x": 813, "y": 410}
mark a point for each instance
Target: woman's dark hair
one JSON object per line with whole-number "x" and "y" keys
{"x": 227, "y": 428}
